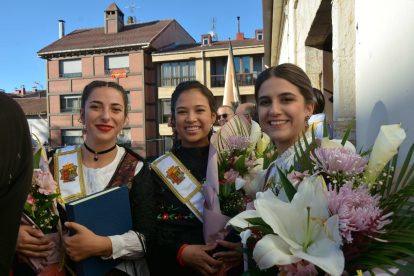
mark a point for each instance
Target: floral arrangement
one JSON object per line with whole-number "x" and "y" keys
{"x": 241, "y": 164}
{"x": 361, "y": 220}
{"x": 42, "y": 195}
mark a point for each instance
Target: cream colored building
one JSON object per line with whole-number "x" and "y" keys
{"x": 361, "y": 51}
{"x": 206, "y": 62}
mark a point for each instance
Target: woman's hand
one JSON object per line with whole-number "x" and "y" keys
{"x": 86, "y": 244}
{"x": 232, "y": 255}
{"x": 195, "y": 256}
{"x": 30, "y": 244}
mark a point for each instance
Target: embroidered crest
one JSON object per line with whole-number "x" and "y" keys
{"x": 68, "y": 173}
{"x": 175, "y": 174}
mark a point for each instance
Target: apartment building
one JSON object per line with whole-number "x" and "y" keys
{"x": 117, "y": 52}
{"x": 207, "y": 63}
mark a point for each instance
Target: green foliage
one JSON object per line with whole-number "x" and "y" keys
{"x": 348, "y": 131}
{"x": 287, "y": 185}
{"x": 36, "y": 159}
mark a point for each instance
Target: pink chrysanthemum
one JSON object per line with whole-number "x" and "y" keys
{"x": 238, "y": 142}
{"x": 333, "y": 161}
{"x": 302, "y": 268}
{"x": 357, "y": 210}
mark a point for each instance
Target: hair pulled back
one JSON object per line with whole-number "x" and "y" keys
{"x": 87, "y": 91}
{"x": 293, "y": 74}
{"x": 183, "y": 87}
{"x": 320, "y": 101}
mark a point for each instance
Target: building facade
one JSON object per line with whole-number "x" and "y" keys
{"x": 359, "y": 53}
{"x": 118, "y": 53}
{"x": 205, "y": 62}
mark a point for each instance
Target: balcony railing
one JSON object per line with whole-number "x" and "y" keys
{"x": 70, "y": 110}
{"x": 243, "y": 79}
{"x": 176, "y": 80}
{"x": 70, "y": 75}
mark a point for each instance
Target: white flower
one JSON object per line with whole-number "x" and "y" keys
{"x": 386, "y": 146}
{"x": 303, "y": 230}
{"x": 252, "y": 187}
{"x": 263, "y": 143}
{"x": 335, "y": 144}
{"x": 255, "y": 135}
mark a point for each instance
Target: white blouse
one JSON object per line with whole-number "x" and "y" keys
{"x": 285, "y": 162}
{"x": 126, "y": 246}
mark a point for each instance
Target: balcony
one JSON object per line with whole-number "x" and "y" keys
{"x": 70, "y": 75}
{"x": 243, "y": 79}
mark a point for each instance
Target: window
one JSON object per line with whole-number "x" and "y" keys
{"x": 70, "y": 104}
{"x": 205, "y": 40}
{"x": 116, "y": 62}
{"x": 166, "y": 111}
{"x": 70, "y": 68}
{"x": 72, "y": 137}
{"x": 175, "y": 73}
{"x": 248, "y": 68}
{"x": 259, "y": 36}
{"x": 129, "y": 100}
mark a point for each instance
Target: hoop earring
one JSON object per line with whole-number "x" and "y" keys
{"x": 307, "y": 123}
{"x": 84, "y": 130}
{"x": 121, "y": 134}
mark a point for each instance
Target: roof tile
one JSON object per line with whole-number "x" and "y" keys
{"x": 32, "y": 106}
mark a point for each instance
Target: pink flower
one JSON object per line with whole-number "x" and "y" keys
{"x": 231, "y": 176}
{"x": 339, "y": 160}
{"x": 238, "y": 142}
{"x": 31, "y": 201}
{"x": 47, "y": 186}
{"x": 270, "y": 154}
{"x": 296, "y": 177}
{"x": 357, "y": 210}
{"x": 302, "y": 268}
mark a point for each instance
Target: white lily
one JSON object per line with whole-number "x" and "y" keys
{"x": 263, "y": 143}
{"x": 303, "y": 230}
{"x": 335, "y": 144}
{"x": 254, "y": 185}
{"x": 255, "y": 135}
{"x": 385, "y": 147}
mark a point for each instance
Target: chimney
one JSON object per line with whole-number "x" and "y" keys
{"x": 23, "y": 91}
{"x": 130, "y": 20}
{"x": 61, "y": 29}
{"x": 34, "y": 90}
{"x": 240, "y": 36}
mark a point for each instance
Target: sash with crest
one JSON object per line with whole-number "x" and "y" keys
{"x": 181, "y": 182}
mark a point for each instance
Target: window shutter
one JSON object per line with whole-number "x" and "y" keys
{"x": 71, "y": 133}
{"x": 70, "y": 66}
{"x": 114, "y": 62}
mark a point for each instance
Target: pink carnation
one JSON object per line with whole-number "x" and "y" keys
{"x": 296, "y": 177}
{"x": 357, "y": 210}
{"x": 231, "y": 176}
{"x": 302, "y": 268}
{"x": 335, "y": 160}
{"x": 46, "y": 186}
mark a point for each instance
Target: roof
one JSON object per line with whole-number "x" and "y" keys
{"x": 32, "y": 106}
{"x": 112, "y": 7}
{"x": 222, "y": 44}
{"x": 95, "y": 38}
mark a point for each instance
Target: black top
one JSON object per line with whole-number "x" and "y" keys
{"x": 177, "y": 222}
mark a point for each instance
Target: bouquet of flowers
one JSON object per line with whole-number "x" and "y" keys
{"x": 361, "y": 220}
{"x": 40, "y": 211}
{"x": 235, "y": 170}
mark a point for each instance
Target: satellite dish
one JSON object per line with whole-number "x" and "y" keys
{"x": 135, "y": 19}
{"x": 213, "y": 35}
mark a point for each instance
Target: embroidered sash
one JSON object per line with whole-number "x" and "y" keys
{"x": 69, "y": 173}
{"x": 181, "y": 182}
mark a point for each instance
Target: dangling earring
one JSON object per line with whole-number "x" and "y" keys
{"x": 84, "y": 129}
{"x": 307, "y": 122}
{"x": 121, "y": 134}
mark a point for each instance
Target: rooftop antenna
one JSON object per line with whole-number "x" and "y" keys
{"x": 132, "y": 8}
{"x": 213, "y": 29}
{"x": 38, "y": 85}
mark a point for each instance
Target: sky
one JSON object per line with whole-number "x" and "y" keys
{"x": 27, "y": 26}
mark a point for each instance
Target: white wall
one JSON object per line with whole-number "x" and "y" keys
{"x": 384, "y": 69}
{"x": 38, "y": 126}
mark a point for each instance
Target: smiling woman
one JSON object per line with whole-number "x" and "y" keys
{"x": 100, "y": 164}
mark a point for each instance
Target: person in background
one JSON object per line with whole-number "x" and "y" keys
{"x": 248, "y": 110}
{"x": 224, "y": 114}
{"x": 318, "y": 117}
{"x": 16, "y": 171}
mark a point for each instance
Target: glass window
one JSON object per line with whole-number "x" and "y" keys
{"x": 259, "y": 36}
{"x": 205, "y": 40}
{"x": 237, "y": 64}
{"x": 72, "y": 140}
{"x": 116, "y": 62}
{"x": 168, "y": 143}
{"x": 257, "y": 64}
{"x": 246, "y": 64}
{"x": 70, "y": 68}
{"x": 176, "y": 72}
{"x": 70, "y": 104}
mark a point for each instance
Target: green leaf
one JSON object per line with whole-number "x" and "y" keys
{"x": 257, "y": 221}
{"x": 308, "y": 150}
{"x": 325, "y": 128}
{"x": 245, "y": 251}
{"x": 44, "y": 207}
{"x": 266, "y": 162}
{"x": 289, "y": 188}
{"x": 36, "y": 159}
{"x": 274, "y": 157}
{"x": 347, "y": 132}
{"x": 240, "y": 165}
{"x": 392, "y": 173}
{"x": 53, "y": 196}
{"x": 226, "y": 189}
{"x": 28, "y": 207}
{"x": 404, "y": 167}
{"x": 264, "y": 229}
{"x": 366, "y": 153}
{"x": 299, "y": 160}
{"x": 315, "y": 145}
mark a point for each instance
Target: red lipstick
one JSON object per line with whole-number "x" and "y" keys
{"x": 104, "y": 128}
